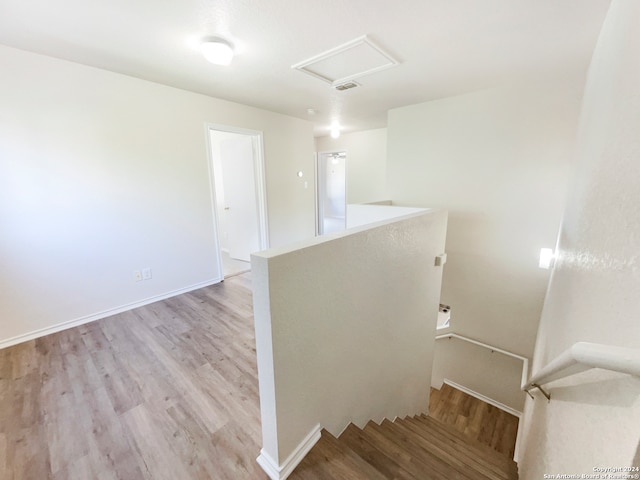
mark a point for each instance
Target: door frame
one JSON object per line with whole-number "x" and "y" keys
{"x": 259, "y": 182}
{"x": 317, "y": 185}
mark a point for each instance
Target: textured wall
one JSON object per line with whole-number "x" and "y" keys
{"x": 498, "y": 161}
{"x": 593, "y": 418}
{"x": 345, "y": 326}
{"x": 491, "y": 374}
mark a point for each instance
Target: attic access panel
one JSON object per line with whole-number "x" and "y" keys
{"x": 354, "y": 59}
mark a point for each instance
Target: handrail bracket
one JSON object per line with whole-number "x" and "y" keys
{"x": 546, "y": 394}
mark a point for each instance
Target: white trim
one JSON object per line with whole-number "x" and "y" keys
{"x": 316, "y": 187}
{"x": 319, "y": 207}
{"x": 214, "y": 202}
{"x": 485, "y": 399}
{"x": 261, "y": 190}
{"x": 103, "y": 314}
{"x": 260, "y": 182}
{"x": 280, "y": 472}
{"x": 516, "y": 450}
{"x": 362, "y": 40}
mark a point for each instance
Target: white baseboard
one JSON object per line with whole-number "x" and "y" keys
{"x": 97, "y": 316}
{"x": 485, "y": 399}
{"x": 516, "y": 450}
{"x": 280, "y": 472}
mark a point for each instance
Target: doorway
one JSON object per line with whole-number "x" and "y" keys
{"x": 239, "y": 195}
{"x": 332, "y": 192}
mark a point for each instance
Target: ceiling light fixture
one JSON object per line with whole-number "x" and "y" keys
{"x": 217, "y": 50}
{"x": 335, "y": 130}
{"x": 547, "y": 258}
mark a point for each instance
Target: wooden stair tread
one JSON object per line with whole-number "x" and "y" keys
{"x": 474, "y": 418}
{"x": 429, "y": 462}
{"x": 476, "y": 459}
{"x": 471, "y": 442}
{"x": 461, "y": 465}
{"x": 460, "y": 442}
{"x": 331, "y": 459}
{"x": 431, "y": 468}
{"x": 373, "y": 451}
{"x": 456, "y": 436}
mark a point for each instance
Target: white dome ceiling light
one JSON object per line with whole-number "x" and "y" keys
{"x": 217, "y": 50}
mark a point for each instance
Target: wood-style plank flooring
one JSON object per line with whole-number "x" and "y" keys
{"x": 479, "y": 420}
{"x": 165, "y": 391}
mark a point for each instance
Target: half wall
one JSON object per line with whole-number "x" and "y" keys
{"x": 345, "y": 326}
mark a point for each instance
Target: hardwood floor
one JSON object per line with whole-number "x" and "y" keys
{"x": 165, "y": 391}
{"x": 479, "y": 420}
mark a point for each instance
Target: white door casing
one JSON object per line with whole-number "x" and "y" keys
{"x": 332, "y": 192}
{"x": 241, "y": 186}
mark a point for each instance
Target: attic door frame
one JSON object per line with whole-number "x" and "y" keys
{"x": 259, "y": 182}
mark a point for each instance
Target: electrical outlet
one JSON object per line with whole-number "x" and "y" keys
{"x": 137, "y": 275}
{"x": 146, "y": 274}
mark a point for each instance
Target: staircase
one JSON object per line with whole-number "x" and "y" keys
{"x": 418, "y": 447}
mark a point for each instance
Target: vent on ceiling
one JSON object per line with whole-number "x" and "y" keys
{"x": 345, "y": 63}
{"x": 346, "y": 86}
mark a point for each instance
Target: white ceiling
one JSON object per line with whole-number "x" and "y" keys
{"x": 446, "y": 47}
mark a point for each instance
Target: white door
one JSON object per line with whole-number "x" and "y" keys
{"x": 332, "y": 192}
{"x": 240, "y": 202}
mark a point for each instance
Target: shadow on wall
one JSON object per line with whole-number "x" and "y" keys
{"x": 599, "y": 390}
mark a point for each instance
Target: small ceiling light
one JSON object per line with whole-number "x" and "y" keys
{"x": 217, "y": 50}
{"x": 547, "y": 258}
{"x": 335, "y": 130}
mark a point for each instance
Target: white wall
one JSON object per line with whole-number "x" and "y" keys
{"x": 343, "y": 338}
{"x": 103, "y": 174}
{"x": 366, "y": 163}
{"x": 592, "y": 419}
{"x": 488, "y": 373}
{"x": 498, "y": 160}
